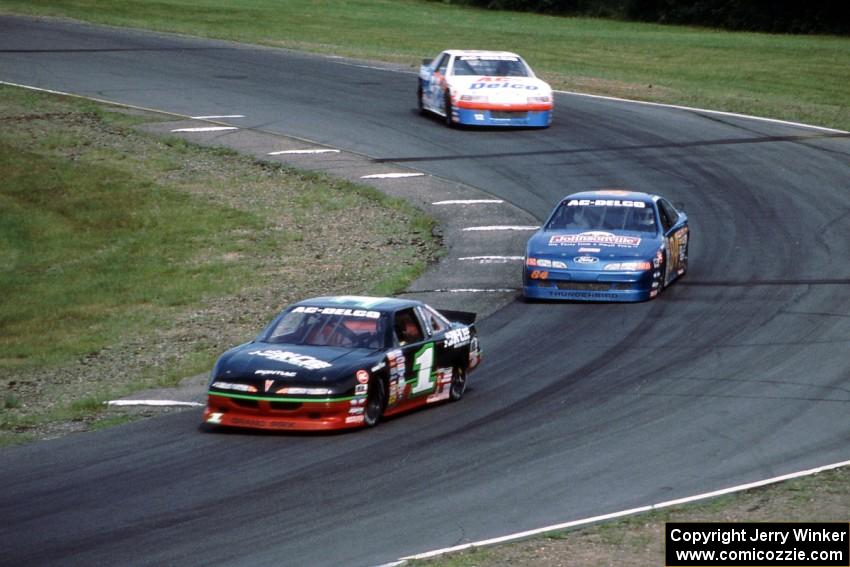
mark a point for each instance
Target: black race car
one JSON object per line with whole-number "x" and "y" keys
{"x": 341, "y": 362}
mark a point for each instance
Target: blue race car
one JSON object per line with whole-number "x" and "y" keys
{"x": 607, "y": 246}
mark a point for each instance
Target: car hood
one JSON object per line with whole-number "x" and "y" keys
{"x": 509, "y": 88}
{"x": 586, "y": 248}
{"x": 294, "y": 364}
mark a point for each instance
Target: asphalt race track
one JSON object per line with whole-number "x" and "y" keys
{"x": 737, "y": 373}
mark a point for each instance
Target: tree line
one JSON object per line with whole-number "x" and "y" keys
{"x": 775, "y": 16}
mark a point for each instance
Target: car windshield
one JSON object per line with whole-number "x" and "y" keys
{"x": 330, "y": 326}
{"x": 494, "y": 66}
{"x": 634, "y": 216}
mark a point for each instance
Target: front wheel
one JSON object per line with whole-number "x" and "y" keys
{"x": 448, "y": 109}
{"x": 419, "y": 101}
{"x": 458, "y": 385}
{"x": 376, "y": 402}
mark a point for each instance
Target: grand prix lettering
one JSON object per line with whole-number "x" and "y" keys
{"x": 293, "y": 358}
{"x": 605, "y": 203}
{"x": 285, "y": 373}
{"x": 457, "y": 337}
{"x": 594, "y": 237}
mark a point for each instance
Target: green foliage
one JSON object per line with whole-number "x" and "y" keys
{"x": 788, "y": 16}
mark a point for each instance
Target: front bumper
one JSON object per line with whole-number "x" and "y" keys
{"x": 589, "y": 285}
{"x": 487, "y": 117}
{"x": 284, "y": 415}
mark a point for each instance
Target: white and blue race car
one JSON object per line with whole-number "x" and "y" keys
{"x": 484, "y": 88}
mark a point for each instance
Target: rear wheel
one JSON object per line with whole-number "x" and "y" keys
{"x": 458, "y": 385}
{"x": 376, "y": 402}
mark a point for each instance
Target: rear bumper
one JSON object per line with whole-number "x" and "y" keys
{"x": 284, "y": 416}
{"x": 591, "y": 286}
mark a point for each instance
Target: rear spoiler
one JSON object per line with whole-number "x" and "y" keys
{"x": 465, "y": 317}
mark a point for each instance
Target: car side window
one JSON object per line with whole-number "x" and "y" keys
{"x": 444, "y": 62}
{"x": 407, "y": 327}
{"x": 434, "y": 321}
{"x": 669, "y": 216}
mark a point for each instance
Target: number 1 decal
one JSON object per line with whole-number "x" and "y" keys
{"x": 423, "y": 362}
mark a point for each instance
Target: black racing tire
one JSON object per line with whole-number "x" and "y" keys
{"x": 458, "y": 385}
{"x": 419, "y": 95}
{"x": 447, "y": 105}
{"x": 376, "y": 402}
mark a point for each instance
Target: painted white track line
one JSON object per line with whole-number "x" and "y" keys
{"x": 469, "y": 202}
{"x": 288, "y": 152}
{"x": 391, "y": 175}
{"x": 210, "y": 117}
{"x": 630, "y": 512}
{"x": 123, "y": 403}
{"x": 499, "y": 227}
{"x": 492, "y": 259}
{"x": 206, "y": 129}
{"x": 476, "y": 290}
{"x": 705, "y": 110}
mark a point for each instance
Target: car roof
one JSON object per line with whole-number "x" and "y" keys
{"x": 481, "y": 52}
{"x": 619, "y": 194}
{"x": 383, "y": 304}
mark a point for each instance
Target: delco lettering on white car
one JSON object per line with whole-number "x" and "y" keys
{"x": 501, "y": 85}
{"x": 293, "y": 358}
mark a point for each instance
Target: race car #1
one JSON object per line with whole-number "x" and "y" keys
{"x": 607, "y": 246}
{"x": 343, "y": 362}
{"x": 484, "y": 88}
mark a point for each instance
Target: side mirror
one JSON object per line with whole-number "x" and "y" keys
{"x": 426, "y": 61}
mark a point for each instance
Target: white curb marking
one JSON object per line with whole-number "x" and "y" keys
{"x": 212, "y": 116}
{"x": 492, "y": 259}
{"x": 630, "y": 512}
{"x": 303, "y": 152}
{"x": 206, "y": 129}
{"x": 391, "y": 175}
{"x": 499, "y": 227}
{"x": 476, "y": 290}
{"x": 469, "y": 202}
{"x": 120, "y": 403}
